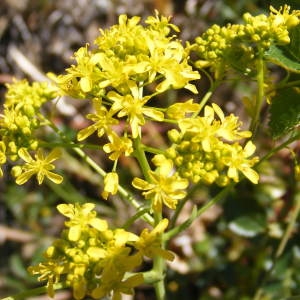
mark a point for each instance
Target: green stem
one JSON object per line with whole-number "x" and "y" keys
{"x": 34, "y": 292}
{"x": 121, "y": 190}
{"x": 285, "y": 85}
{"x": 287, "y": 234}
{"x": 290, "y": 227}
{"x": 140, "y": 155}
{"x": 260, "y": 92}
{"x": 66, "y": 146}
{"x": 153, "y": 150}
{"x": 159, "y": 264}
{"x": 196, "y": 213}
{"x": 276, "y": 149}
{"x": 177, "y": 212}
{"x": 135, "y": 217}
{"x": 206, "y": 97}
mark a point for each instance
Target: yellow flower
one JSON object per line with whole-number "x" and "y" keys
{"x": 50, "y": 271}
{"x": 230, "y": 126}
{"x": 115, "y": 285}
{"x": 132, "y": 106}
{"x": 111, "y": 184}
{"x": 81, "y": 217}
{"x": 164, "y": 187}
{"x": 179, "y": 110}
{"x": 102, "y": 119}
{"x": 149, "y": 242}
{"x": 118, "y": 146}
{"x": 238, "y": 161}
{"x": 40, "y": 166}
{"x": 2, "y": 156}
{"x": 284, "y": 17}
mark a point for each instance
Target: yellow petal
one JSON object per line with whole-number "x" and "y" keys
{"x": 99, "y": 224}
{"x": 140, "y": 184}
{"x": 251, "y": 175}
{"x": 54, "y": 177}
{"x": 74, "y": 233}
{"x": 85, "y": 84}
{"x": 23, "y": 153}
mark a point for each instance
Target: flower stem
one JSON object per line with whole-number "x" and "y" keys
{"x": 196, "y": 213}
{"x": 291, "y": 225}
{"x": 121, "y": 190}
{"x": 260, "y": 92}
{"x": 206, "y": 97}
{"x": 140, "y": 155}
{"x": 159, "y": 264}
{"x": 34, "y": 292}
{"x": 279, "y": 147}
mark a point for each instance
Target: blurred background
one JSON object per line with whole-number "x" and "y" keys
{"x": 225, "y": 254}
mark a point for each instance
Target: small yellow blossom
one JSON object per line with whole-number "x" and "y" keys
{"x": 81, "y": 217}
{"x": 40, "y": 166}
{"x": 103, "y": 120}
{"x": 118, "y": 146}
{"x": 115, "y": 285}
{"x": 50, "y": 271}
{"x": 284, "y": 17}
{"x": 164, "y": 187}
{"x": 132, "y": 106}
{"x": 238, "y": 161}
{"x": 149, "y": 242}
{"x": 180, "y": 110}
{"x": 2, "y": 156}
{"x": 111, "y": 184}
{"x": 26, "y": 97}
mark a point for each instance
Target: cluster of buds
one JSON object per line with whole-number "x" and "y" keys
{"x": 237, "y": 45}
{"x": 21, "y": 117}
{"x": 207, "y": 150}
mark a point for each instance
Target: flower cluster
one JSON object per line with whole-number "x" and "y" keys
{"x": 19, "y": 126}
{"x": 94, "y": 260}
{"x": 130, "y": 64}
{"x": 128, "y": 58}
{"x": 21, "y": 116}
{"x": 129, "y": 52}
{"x": 238, "y": 44}
{"x": 207, "y": 150}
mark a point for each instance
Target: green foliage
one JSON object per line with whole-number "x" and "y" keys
{"x": 284, "y": 112}
{"x": 288, "y": 56}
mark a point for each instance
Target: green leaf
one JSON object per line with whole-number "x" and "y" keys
{"x": 280, "y": 56}
{"x": 285, "y": 112}
{"x": 248, "y": 225}
{"x": 287, "y": 56}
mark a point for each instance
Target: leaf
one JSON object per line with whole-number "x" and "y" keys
{"x": 248, "y": 225}
{"x": 285, "y": 112}
{"x": 287, "y": 56}
{"x": 280, "y": 56}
